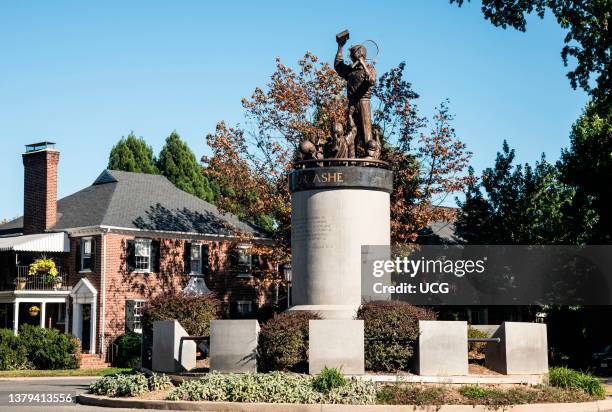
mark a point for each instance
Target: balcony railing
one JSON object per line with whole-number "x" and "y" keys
{"x": 40, "y": 281}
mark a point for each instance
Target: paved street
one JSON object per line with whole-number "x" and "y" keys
{"x": 46, "y": 385}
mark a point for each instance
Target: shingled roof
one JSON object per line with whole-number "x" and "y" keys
{"x": 140, "y": 201}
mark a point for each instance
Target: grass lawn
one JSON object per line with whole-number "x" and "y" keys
{"x": 61, "y": 372}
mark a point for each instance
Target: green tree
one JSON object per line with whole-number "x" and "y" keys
{"x": 587, "y": 167}
{"x": 588, "y": 38}
{"x": 178, "y": 163}
{"x": 522, "y": 204}
{"x": 132, "y": 154}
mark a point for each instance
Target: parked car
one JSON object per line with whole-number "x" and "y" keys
{"x": 603, "y": 360}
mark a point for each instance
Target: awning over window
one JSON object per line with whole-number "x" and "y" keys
{"x": 43, "y": 242}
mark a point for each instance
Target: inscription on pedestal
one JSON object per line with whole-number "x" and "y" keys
{"x": 315, "y": 231}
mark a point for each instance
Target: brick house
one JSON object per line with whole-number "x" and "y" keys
{"x": 121, "y": 241}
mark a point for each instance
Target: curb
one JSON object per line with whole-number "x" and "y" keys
{"x": 92, "y": 400}
{"x": 45, "y": 378}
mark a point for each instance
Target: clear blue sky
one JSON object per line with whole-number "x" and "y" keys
{"x": 84, "y": 74}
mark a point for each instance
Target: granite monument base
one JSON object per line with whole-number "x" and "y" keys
{"x": 233, "y": 345}
{"x": 441, "y": 349}
{"x": 336, "y": 344}
{"x": 523, "y": 349}
{"x": 170, "y": 355}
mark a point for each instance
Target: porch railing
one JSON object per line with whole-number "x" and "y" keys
{"x": 40, "y": 281}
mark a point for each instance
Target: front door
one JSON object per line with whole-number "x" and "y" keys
{"x": 86, "y": 327}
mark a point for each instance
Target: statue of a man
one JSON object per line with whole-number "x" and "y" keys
{"x": 360, "y": 78}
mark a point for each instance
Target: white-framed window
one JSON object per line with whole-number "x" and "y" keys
{"x": 133, "y": 314}
{"x": 245, "y": 261}
{"x": 196, "y": 258}
{"x": 142, "y": 255}
{"x": 244, "y": 307}
{"x": 87, "y": 253}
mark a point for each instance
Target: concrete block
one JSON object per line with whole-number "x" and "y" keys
{"x": 488, "y": 329}
{"x": 169, "y": 354}
{"x": 442, "y": 348}
{"x": 523, "y": 349}
{"x": 336, "y": 344}
{"x": 233, "y": 345}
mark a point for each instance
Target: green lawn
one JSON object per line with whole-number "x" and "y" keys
{"x": 61, "y": 372}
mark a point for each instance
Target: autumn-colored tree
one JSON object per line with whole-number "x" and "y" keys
{"x": 251, "y": 164}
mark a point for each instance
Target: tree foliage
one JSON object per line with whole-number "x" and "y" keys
{"x": 132, "y": 154}
{"x": 588, "y": 38}
{"x": 251, "y": 164}
{"x": 521, "y": 204}
{"x": 177, "y": 162}
{"x": 586, "y": 166}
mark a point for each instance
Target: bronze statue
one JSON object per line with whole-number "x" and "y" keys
{"x": 360, "y": 78}
{"x": 361, "y": 141}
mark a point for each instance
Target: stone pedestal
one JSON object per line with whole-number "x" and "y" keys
{"x": 336, "y": 344}
{"x": 442, "y": 348}
{"x": 523, "y": 349}
{"x": 169, "y": 354}
{"x": 233, "y": 345}
{"x": 335, "y": 211}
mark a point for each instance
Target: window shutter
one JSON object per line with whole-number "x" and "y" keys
{"x": 187, "y": 258}
{"x": 205, "y": 257}
{"x": 131, "y": 255}
{"x": 93, "y": 254}
{"x": 155, "y": 256}
{"x": 129, "y": 315}
{"x": 77, "y": 262}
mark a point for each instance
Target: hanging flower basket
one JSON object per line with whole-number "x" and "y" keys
{"x": 44, "y": 266}
{"x": 34, "y": 310}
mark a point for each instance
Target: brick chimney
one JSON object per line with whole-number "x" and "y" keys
{"x": 40, "y": 187}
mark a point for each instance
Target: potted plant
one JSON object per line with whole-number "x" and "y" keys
{"x": 44, "y": 266}
{"x": 57, "y": 282}
{"x": 34, "y": 310}
{"x": 20, "y": 282}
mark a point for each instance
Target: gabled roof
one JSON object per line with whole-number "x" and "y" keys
{"x": 140, "y": 201}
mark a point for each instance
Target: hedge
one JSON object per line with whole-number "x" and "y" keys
{"x": 128, "y": 348}
{"x": 283, "y": 342}
{"x": 391, "y": 329}
{"x": 38, "y": 348}
{"x": 13, "y": 355}
{"x": 193, "y": 312}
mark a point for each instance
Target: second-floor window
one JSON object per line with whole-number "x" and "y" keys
{"x": 245, "y": 263}
{"x": 196, "y": 258}
{"x": 142, "y": 255}
{"x": 86, "y": 258}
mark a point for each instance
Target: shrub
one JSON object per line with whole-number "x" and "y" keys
{"x": 120, "y": 385}
{"x": 283, "y": 342}
{"x": 49, "y": 348}
{"x": 159, "y": 382}
{"x": 391, "y": 329}
{"x": 329, "y": 379}
{"x": 276, "y": 387}
{"x": 193, "y": 312}
{"x": 13, "y": 355}
{"x": 476, "y": 349}
{"x": 572, "y": 379}
{"x": 129, "y": 345}
{"x": 414, "y": 395}
{"x": 494, "y": 397}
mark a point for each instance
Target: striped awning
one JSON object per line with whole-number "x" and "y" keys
{"x": 43, "y": 242}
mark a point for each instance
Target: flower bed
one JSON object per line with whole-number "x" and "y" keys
{"x": 330, "y": 387}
